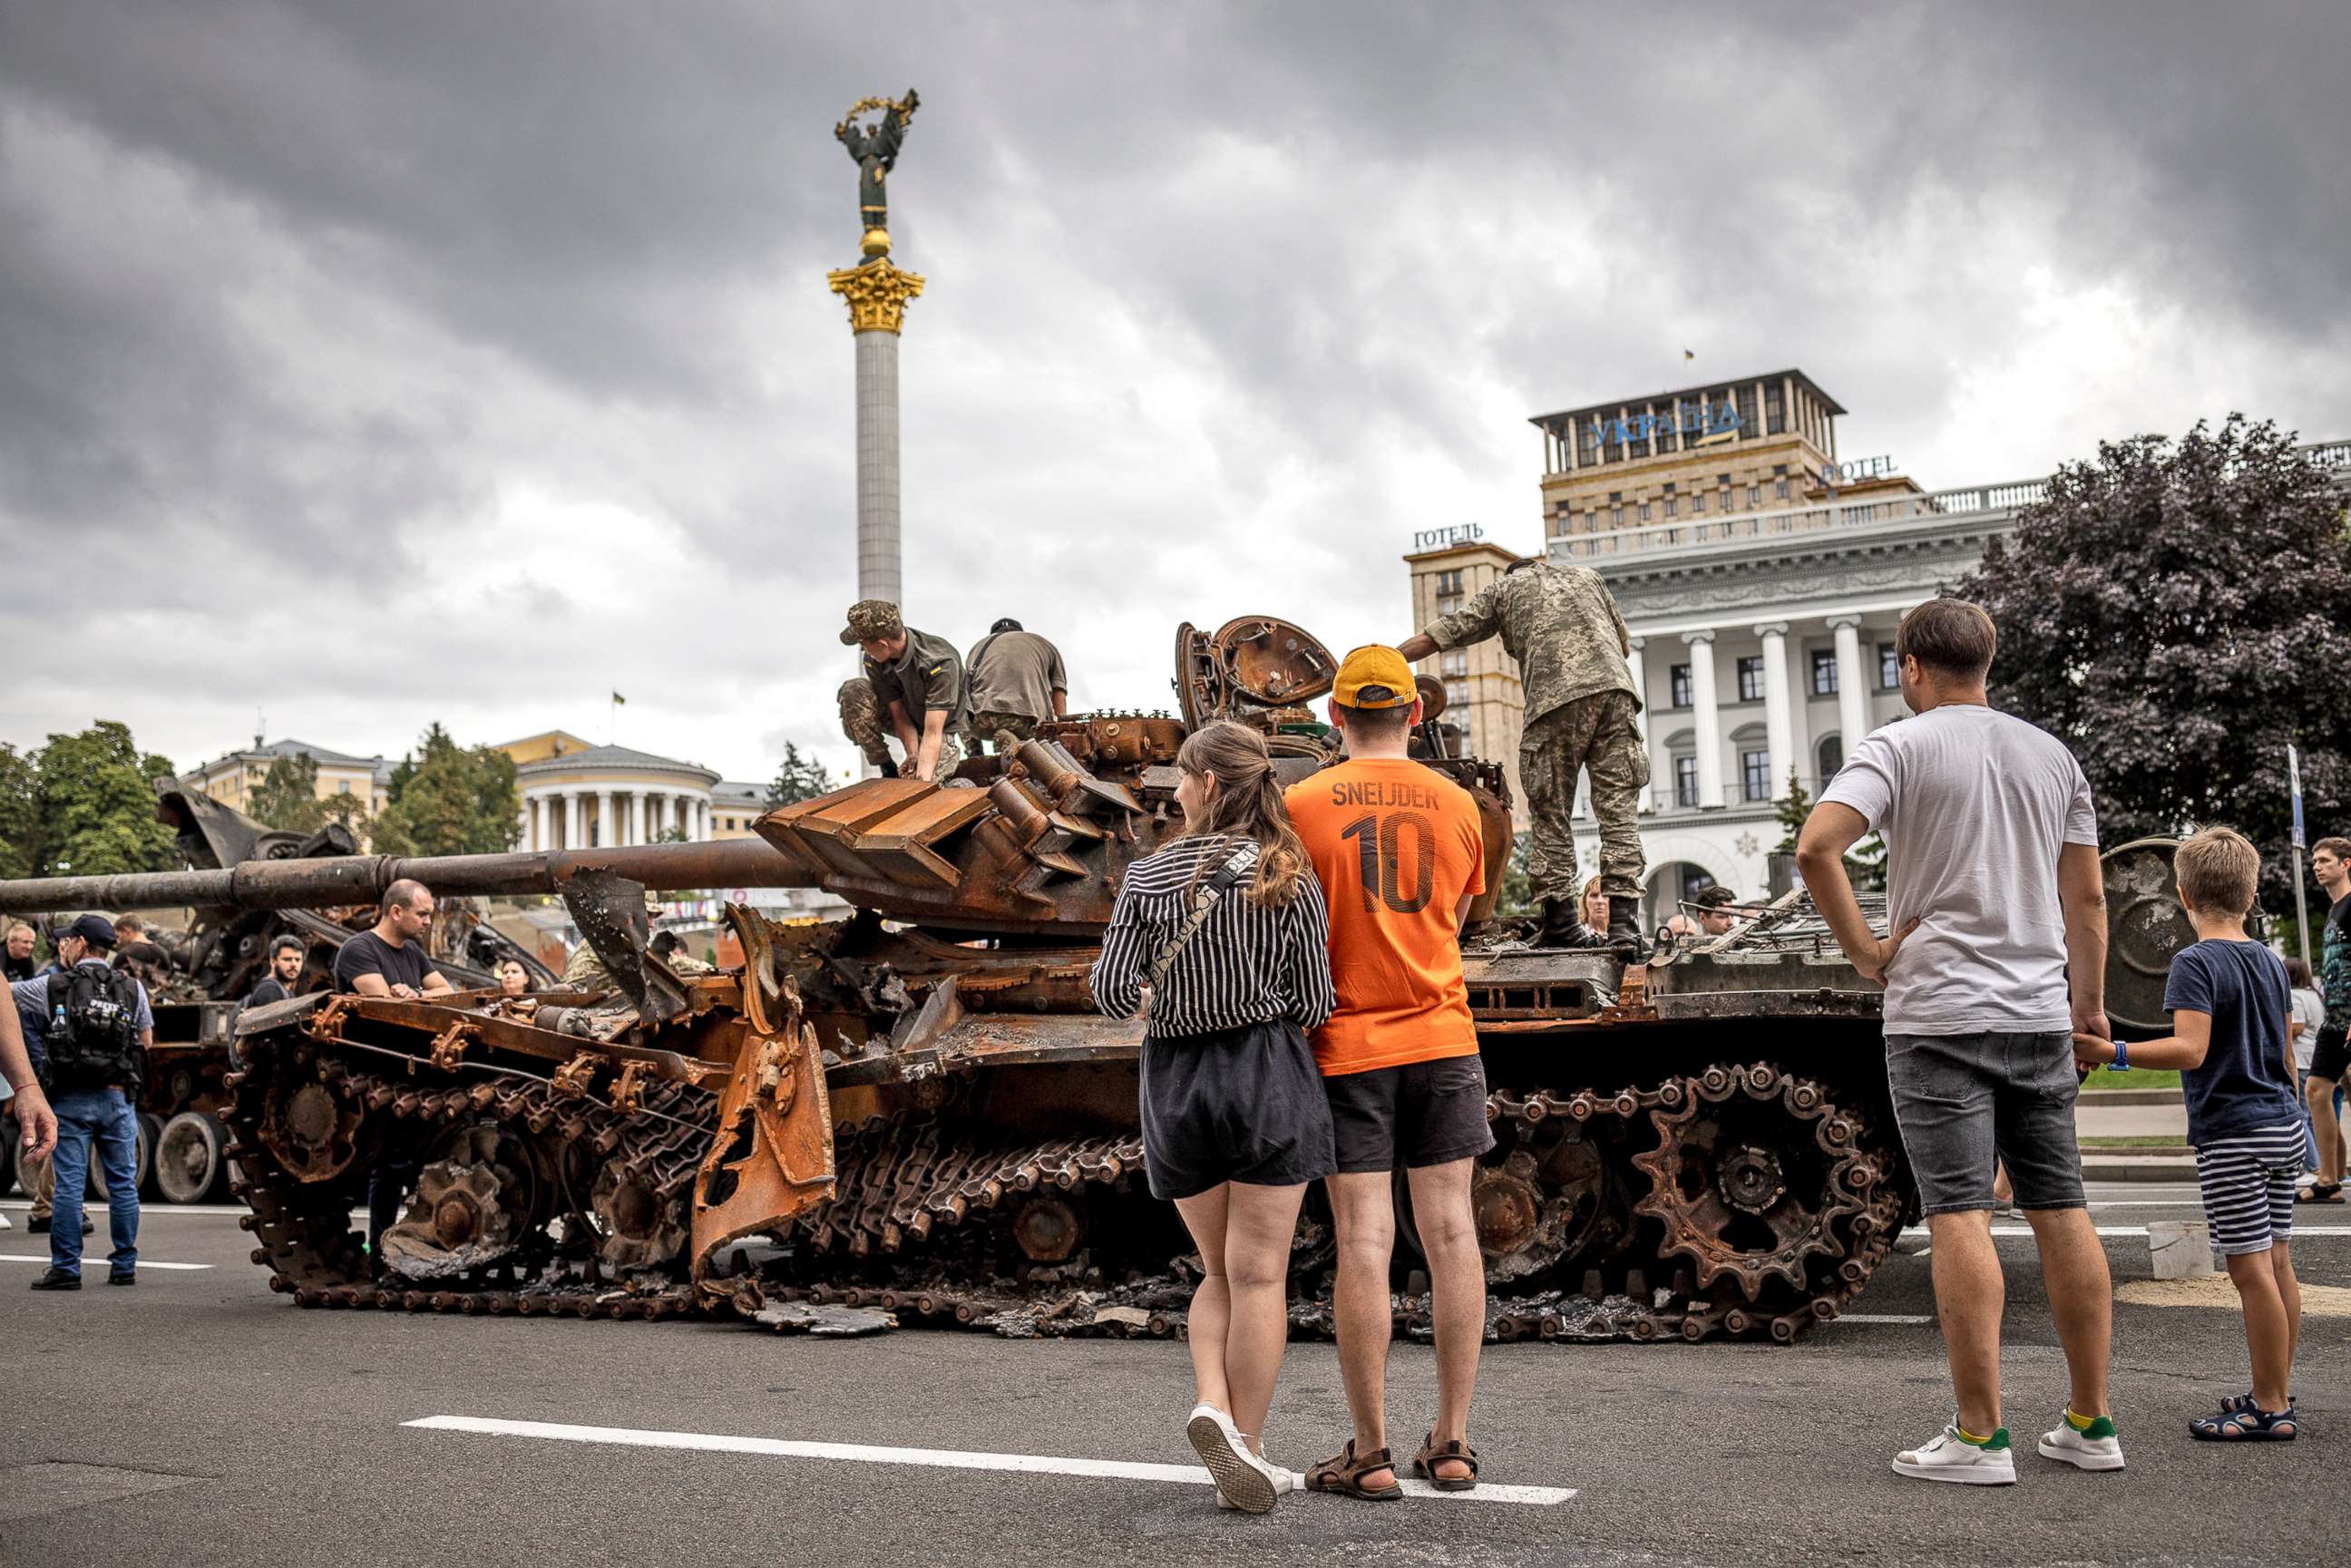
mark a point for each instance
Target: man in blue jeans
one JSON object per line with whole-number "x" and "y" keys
{"x": 103, "y": 1113}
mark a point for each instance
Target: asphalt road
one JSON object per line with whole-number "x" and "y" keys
{"x": 198, "y": 1419}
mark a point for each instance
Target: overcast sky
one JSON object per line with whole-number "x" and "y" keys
{"x": 368, "y": 364}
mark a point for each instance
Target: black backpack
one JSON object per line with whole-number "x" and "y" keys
{"x": 93, "y": 1032}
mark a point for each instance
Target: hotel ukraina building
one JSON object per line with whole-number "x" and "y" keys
{"x": 1762, "y": 576}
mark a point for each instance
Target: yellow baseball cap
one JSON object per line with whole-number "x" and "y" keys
{"x": 1375, "y": 675}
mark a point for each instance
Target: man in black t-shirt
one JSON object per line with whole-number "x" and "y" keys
{"x": 388, "y": 960}
{"x": 285, "y": 956}
{"x": 2330, "y": 1061}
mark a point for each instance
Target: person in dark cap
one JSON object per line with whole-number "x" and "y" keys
{"x": 94, "y": 1027}
{"x": 1017, "y": 682}
{"x": 917, "y": 681}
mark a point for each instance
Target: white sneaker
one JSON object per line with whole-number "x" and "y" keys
{"x": 1284, "y": 1481}
{"x": 2096, "y": 1449}
{"x": 1952, "y": 1457}
{"x": 1241, "y": 1477}
{"x": 3, "y": 1222}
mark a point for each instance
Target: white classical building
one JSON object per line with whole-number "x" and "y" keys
{"x": 608, "y": 796}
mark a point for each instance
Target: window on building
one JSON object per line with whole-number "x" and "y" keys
{"x": 1825, "y": 671}
{"x": 1697, "y": 503}
{"x": 1645, "y": 511}
{"x": 1678, "y": 680}
{"x": 1455, "y": 663}
{"x": 1754, "y": 494}
{"x": 1780, "y": 481}
{"x": 1695, "y": 882}
{"x": 1673, "y": 502}
{"x": 1450, "y": 582}
{"x": 1746, "y": 425}
{"x": 1889, "y": 668}
{"x": 1755, "y": 775}
{"x": 1448, "y": 604}
{"x": 1457, "y": 693}
{"x": 1751, "y": 679}
{"x": 1775, "y": 411}
{"x": 1831, "y": 755}
{"x": 1685, "y": 781}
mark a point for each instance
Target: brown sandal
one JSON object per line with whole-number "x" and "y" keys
{"x": 1343, "y": 1473}
{"x": 1425, "y": 1462}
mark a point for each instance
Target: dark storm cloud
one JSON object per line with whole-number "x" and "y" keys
{"x": 295, "y": 299}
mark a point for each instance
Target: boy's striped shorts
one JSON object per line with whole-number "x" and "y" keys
{"x": 2247, "y": 1179}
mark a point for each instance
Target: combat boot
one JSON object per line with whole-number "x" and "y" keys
{"x": 1625, "y": 929}
{"x": 1560, "y": 928}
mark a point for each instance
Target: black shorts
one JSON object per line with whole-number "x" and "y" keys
{"x": 1240, "y": 1104}
{"x": 2330, "y": 1058}
{"x": 1422, "y": 1113}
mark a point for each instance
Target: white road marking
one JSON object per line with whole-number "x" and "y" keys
{"x": 1883, "y": 1317}
{"x": 942, "y": 1458}
{"x": 98, "y": 1255}
{"x": 2300, "y": 1231}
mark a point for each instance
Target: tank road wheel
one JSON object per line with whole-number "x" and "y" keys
{"x": 188, "y": 1161}
{"x": 150, "y": 1134}
{"x": 478, "y": 1201}
{"x": 643, "y": 1226}
{"x": 312, "y": 1127}
{"x": 1762, "y": 1185}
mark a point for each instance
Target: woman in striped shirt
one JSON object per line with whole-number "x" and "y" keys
{"x": 1235, "y": 1121}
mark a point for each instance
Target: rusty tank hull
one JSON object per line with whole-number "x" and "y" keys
{"x": 916, "y": 1116}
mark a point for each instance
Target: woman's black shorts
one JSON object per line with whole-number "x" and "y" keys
{"x": 1240, "y": 1104}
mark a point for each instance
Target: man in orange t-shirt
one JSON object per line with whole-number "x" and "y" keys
{"x": 1400, "y": 852}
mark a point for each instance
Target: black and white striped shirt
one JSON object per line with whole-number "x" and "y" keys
{"x": 1247, "y": 964}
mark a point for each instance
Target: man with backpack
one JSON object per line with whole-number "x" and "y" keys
{"x": 96, "y": 1026}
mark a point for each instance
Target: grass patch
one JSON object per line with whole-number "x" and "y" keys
{"x": 2137, "y": 1078}
{"x": 2157, "y": 1141}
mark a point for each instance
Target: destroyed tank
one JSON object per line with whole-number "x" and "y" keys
{"x": 197, "y": 977}
{"x": 917, "y": 1115}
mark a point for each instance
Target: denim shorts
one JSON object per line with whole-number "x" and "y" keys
{"x": 1964, "y": 1099}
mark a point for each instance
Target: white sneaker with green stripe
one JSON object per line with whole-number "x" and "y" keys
{"x": 2091, "y": 1448}
{"x": 1953, "y": 1455}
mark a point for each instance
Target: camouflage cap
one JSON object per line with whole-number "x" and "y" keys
{"x": 869, "y": 618}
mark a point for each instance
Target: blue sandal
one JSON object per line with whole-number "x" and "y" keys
{"x": 2245, "y": 1426}
{"x": 2236, "y": 1403}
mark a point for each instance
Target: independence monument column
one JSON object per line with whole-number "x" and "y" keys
{"x": 877, "y": 293}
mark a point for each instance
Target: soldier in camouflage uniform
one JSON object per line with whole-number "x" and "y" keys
{"x": 861, "y": 720}
{"x": 1562, "y": 625}
{"x": 918, "y": 687}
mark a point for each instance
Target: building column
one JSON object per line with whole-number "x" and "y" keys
{"x": 603, "y": 818}
{"x": 571, "y": 820}
{"x": 701, "y": 822}
{"x": 1708, "y": 729}
{"x": 538, "y": 824}
{"x": 655, "y": 812}
{"x": 1778, "y": 722}
{"x": 637, "y": 817}
{"x": 1853, "y": 688}
{"x": 1637, "y": 660}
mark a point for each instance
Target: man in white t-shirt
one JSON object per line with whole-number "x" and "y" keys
{"x": 1996, "y": 954}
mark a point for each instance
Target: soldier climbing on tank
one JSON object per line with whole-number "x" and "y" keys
{"x": 1562, "y": 626}
{"x": 1017, "y": 682}
{"x": 861, "y": 721}
{"x": 917, "y": 681}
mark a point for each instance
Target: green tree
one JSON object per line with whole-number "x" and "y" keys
{"x": 1864, "y": 863}
{"x": 449, "y": 800}
{"x": 20, "y": 812}
{"x": 1517, "y": 881}
{"x": 288, "y": 796}
{"x": 96, "y": 806}
{"x": 2174, "y": 612}
{"x": 797, "y": 777}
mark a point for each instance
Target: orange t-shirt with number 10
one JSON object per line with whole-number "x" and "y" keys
{"x": 1396, "y": 845}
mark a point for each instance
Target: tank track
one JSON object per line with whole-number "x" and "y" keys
{"x": 1056, "y": 1238}
{"x": 304, "y": 1230}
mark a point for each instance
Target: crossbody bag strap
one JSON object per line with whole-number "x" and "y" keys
{"x": 1205, "y": 899}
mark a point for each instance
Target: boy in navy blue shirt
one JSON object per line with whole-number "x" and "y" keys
{"x": 2228, "y": 1002}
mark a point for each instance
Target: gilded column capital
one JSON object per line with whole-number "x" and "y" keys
{"x": 877, "y": 295}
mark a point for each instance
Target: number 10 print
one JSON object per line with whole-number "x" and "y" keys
{"x": 1379, "y": 849}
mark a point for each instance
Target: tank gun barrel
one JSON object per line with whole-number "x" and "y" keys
{"x": 361, "y": 879}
